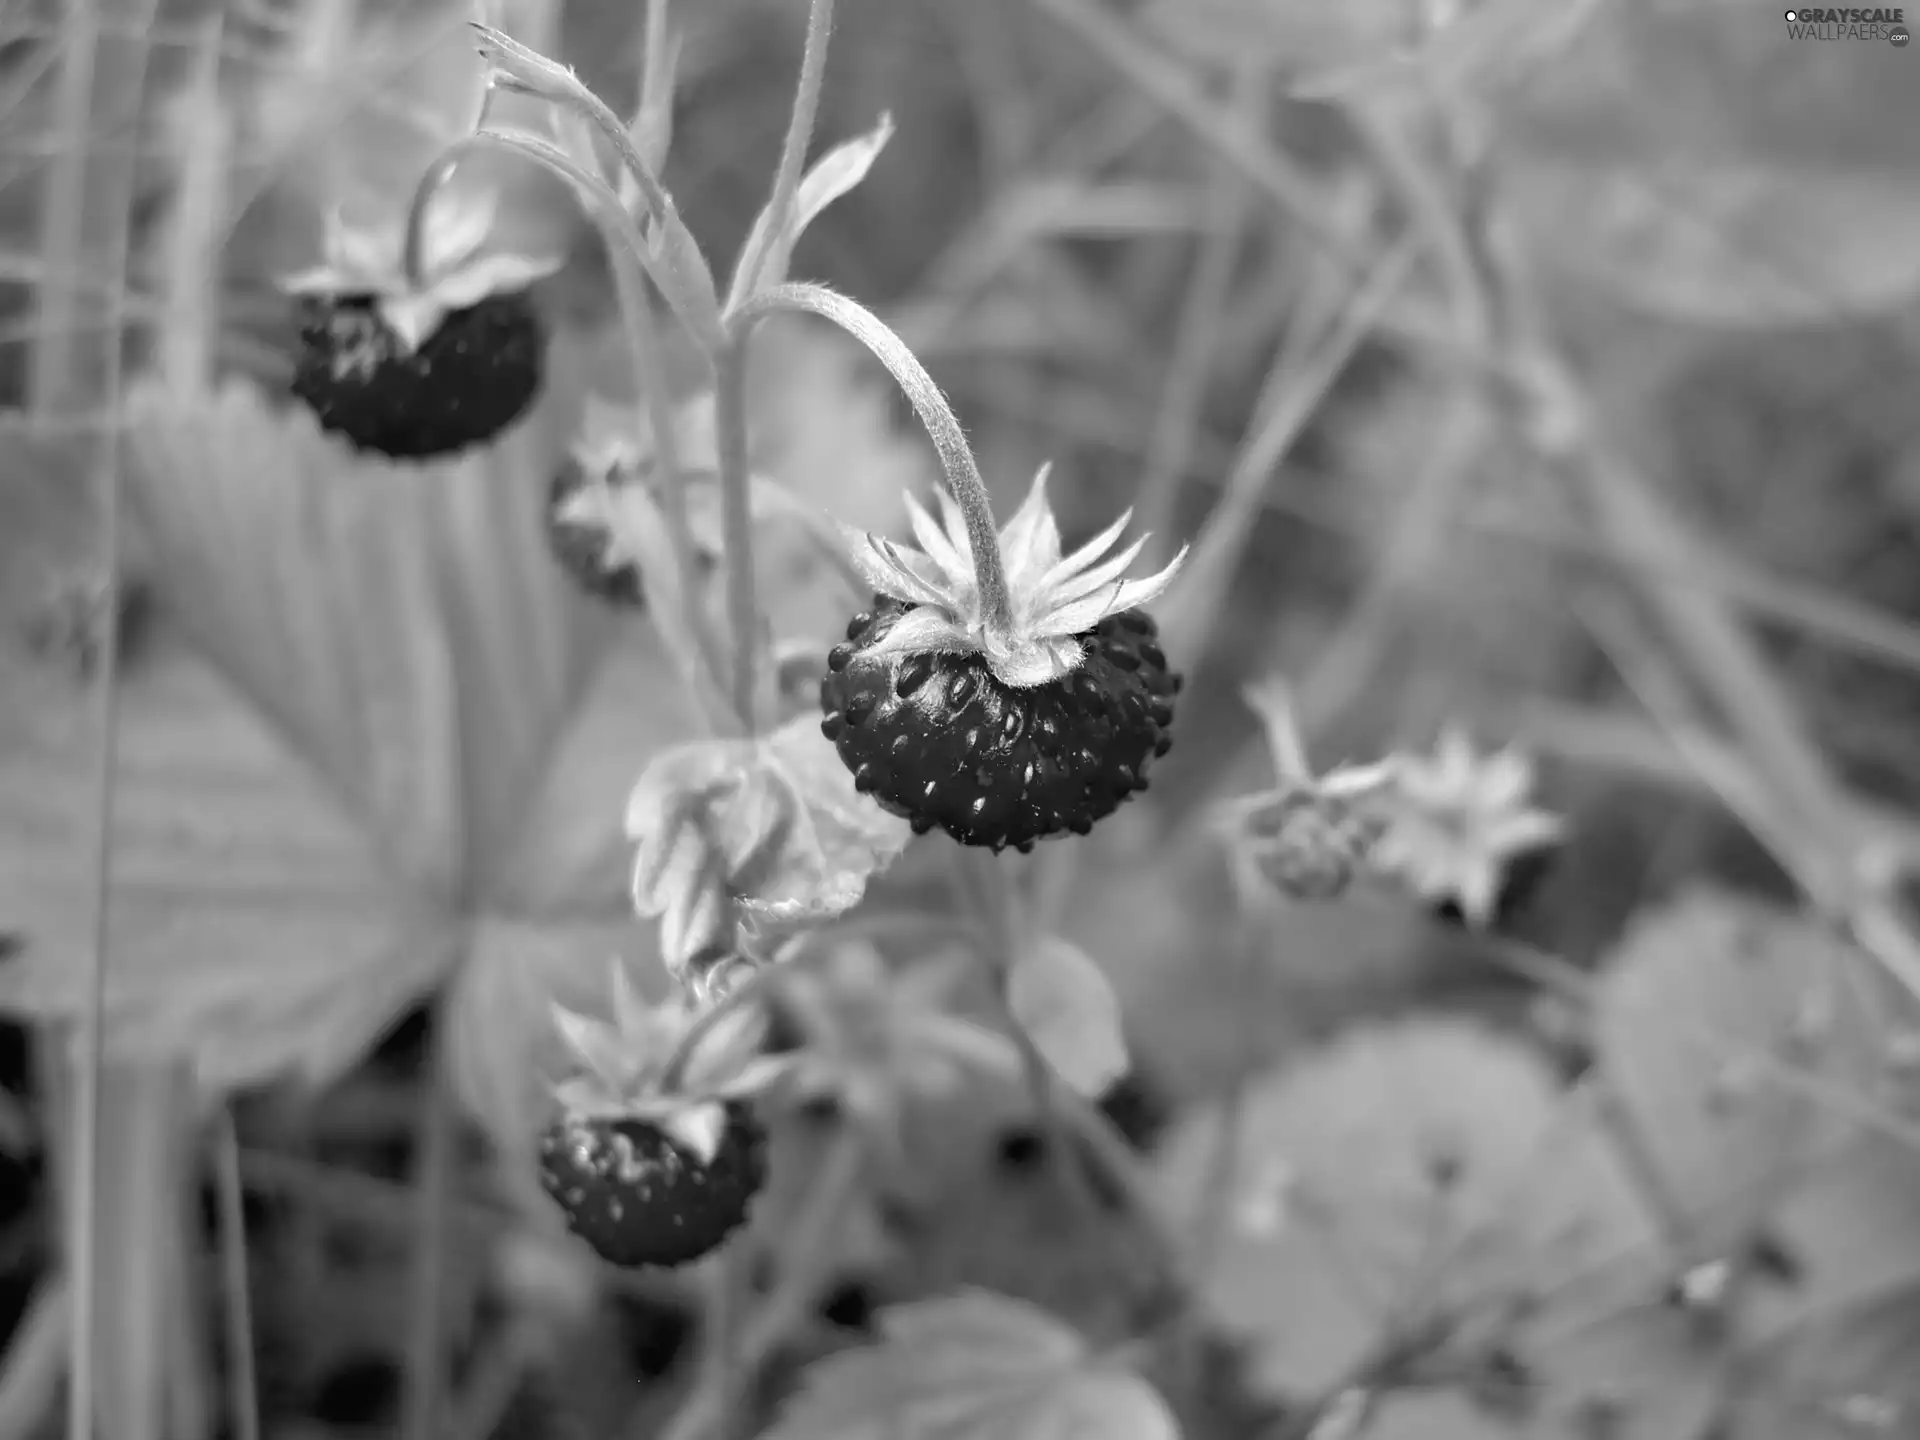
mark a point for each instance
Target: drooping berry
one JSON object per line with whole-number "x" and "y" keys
{"x": 416, "y": 370}
{"x": 1001, "y": 733}
{"x": 939, "y": 740}
{"x": 640, "y": 1197}
{"x": 585, "y": 535}
{"x": 465, "y": 383}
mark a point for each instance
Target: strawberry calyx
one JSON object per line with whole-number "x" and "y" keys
{"x": 459, "y": 266}
{"x": 1052, "y": 599}
{"x": 646, "y": 1062}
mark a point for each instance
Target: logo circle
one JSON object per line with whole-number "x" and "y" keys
{"x": 1898, "y": 37}
{"x": 1791, "y": 17}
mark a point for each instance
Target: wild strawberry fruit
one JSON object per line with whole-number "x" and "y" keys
{"x": 653, "y": 1168}
{"x": 641, "y": 1196}
{"x": 1001, "y": 729}
{"x": 410, "y": 370}
{"x": 586, "y": 535}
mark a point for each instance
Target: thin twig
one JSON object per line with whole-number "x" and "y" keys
{"x": 60, "y": 382}
{"x": 426, "y": 1351}
{"x": 244, "y": 1392}
{"x": 961, "y": 470}
{"x": 1289, "y": 403}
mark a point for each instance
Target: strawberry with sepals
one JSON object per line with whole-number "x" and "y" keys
{"x": 1002, "y": 724}
{"x": 414, "y": 370}
{"x": 1311, "y": 836}
{"x": 1446, "y": 826}
{"x": 652, "y": 1168}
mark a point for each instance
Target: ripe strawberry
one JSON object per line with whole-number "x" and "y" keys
{"x": 1009, "y": 737}
{"x": 413, "y": 371}
{"x": 652, "y": 1169}
{"x": 585, "y": 535}
{"x": 642, "y": 1197}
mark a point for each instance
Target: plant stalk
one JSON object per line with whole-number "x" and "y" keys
{"x": 736, "y": 524}
{"x": 793, "y": 149}
{"x": 957, "y": 464}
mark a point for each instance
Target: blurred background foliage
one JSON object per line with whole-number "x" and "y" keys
{"x": 1627, "y": 470}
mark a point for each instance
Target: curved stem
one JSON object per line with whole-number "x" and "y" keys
{"x": 793, "y": 150}
{"x": 942, "y": 426}
{"x": 736, "y": 522}
{"x": 616, "y": 226}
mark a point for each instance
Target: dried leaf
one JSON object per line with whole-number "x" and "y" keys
{"x": 972, "y": 1365}
{"x": 765, "y": 834}
{"x": 1064, "y": 1001}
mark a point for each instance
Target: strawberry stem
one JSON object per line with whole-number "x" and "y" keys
{"x": 942, "y": 426}
{"x": 736, "y": 522}
{"x": 793, "y": 150}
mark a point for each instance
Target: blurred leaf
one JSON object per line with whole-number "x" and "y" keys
{"x": 974, "y": 1364}
{"x": 404, "y": 625}
{"x": 1717, "y": 1022}
{"x": 1852, "y": 1229}
{"x": 1062, "y": 999}
{"x": 765, "y": 256}
{"x": 1848, "y": 1376}
{"x": 255, "y": 927}
{"x": 1695, "y": 162}
{"x": 1400, "y": 1173}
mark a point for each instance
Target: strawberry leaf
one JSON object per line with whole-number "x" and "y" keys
{"x": 1718, "y": 1023}
{"x": 974, "y": 1364}
{"x": 769, "y": 246}
{"x": 1427, "y": 1164}
{"x": 1065, "y": 1003}
{"x": 255, "y": 926}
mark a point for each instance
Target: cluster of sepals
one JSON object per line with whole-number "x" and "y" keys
{"x": 1444, "y": 826}
{"x": 997, "y": 686}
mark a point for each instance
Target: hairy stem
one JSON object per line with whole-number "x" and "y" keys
{"x": 942, "y": 425}
{"x": 793, "y": 150}
{"x": 736, "y": 522}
